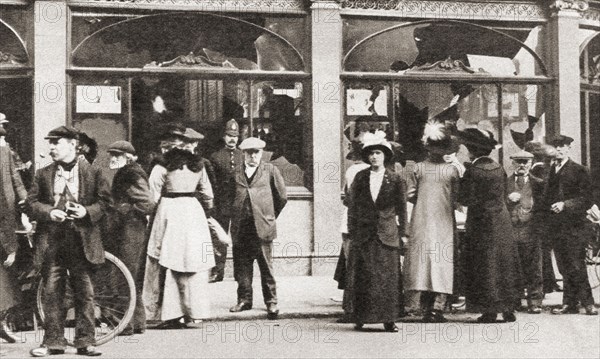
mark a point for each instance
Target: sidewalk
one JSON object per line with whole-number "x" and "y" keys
{"x": 304, "y": 297}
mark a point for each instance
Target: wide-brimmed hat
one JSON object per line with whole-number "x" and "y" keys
{"x": 473, "y": 137}
{"x": 437, "y": 139}
{"x": 376, "y": 141}
{"x": 121, "y": 147}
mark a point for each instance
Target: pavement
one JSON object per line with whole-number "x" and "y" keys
{"x": 305, "y": 297}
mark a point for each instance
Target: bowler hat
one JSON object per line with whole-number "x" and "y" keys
{"x": 232, "y": 128}
{"x": 63, "y": 132}
{"x": 252, "y": 143}
{"x": 522, "y": 155}
{"x": 561, "y": 140}
{"x": 121, "y": 147}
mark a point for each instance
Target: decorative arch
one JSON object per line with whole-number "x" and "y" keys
{"x": 188, "y": 40}
{"x": 423, "y": 45}
{"x": 13, "y": 51}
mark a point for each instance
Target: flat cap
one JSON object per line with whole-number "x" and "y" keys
{"x": 252, "y": 143}
{"x": 561, "y": 140}
{"x": 3, "y": 118}
{"x": 192, "y": 135}
{"x": 121, "y": 147}
{"x": 232, "y": 128}
{"x": 62, "y": 132}
{"x": 522, "y": 155}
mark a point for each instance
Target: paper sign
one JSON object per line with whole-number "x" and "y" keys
{"x": 98, "y": 99}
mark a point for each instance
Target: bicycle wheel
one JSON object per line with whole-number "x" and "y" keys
{"x": 114, "y": 301}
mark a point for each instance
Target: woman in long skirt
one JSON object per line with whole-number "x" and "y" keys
{"x": 429, "y": 259}
{"x": 376, "y": 219}
{"x": 490, "y": 249}
{"x": 180, "y": 253}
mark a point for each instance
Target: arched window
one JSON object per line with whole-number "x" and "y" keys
{"x": 13, "y": 52}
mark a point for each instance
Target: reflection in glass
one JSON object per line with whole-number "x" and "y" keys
{"x": 12, "y": 49}
{"x": 589, "y": 62}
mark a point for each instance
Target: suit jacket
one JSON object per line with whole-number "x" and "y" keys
{"x": 574, "y": 189}
{"x": 521, "y": 212}
{"x": 367, "y": 219}
{"x": 267, "y": 196}
{"x": 94, "y": 195}
{"x": 11, "y": 192}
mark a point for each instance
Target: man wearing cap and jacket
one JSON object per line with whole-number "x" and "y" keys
{"x": 132, "y": 203}
{"x": 68, "y": 198}
{"x": 567, "y": 197}
{"x": 224, "y": 162}
{"x": 260, "y": 196}
{"x": 520, "y": 204}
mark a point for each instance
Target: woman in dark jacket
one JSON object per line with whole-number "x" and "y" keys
{"x": 376, "y": 220}
{"x": 490, "y": 249}
{"x": 11, "y": 192}
{"x": 132, "y": 201}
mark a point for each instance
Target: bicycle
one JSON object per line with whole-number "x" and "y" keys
{"x": 114, "y": 297}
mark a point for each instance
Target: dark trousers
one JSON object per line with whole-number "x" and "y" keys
{"x": 66, "y": 254}
{"x": 132, "y": 252}
{"x": 569, "y": 249}
{"x": 549, "y": 277}
{"x": 248, "y": 248}
{"x": 220, "y": 249}
{"x": 530, "y": 263}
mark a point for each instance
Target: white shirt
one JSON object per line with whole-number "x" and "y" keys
{"x": 249, "y": 170}
{"x": 69, "y": 179}
{"x": 375, "y": 181}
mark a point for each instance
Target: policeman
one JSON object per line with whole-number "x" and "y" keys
{"x": 224, "y": 162}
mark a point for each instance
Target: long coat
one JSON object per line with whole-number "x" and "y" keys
{"x": 429, "y": 257}
{"x": 267, "y": 194}
{"x": 490, "y": 248}
{"x": 224, "y": 163}
{"x": 375, "y": 278}
{"x": 11, "y": 191}
{"x": 94, "y": 195}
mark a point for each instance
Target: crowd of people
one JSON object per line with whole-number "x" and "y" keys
{"x": 513, "y": 224}
{"x": 166, "y": 224}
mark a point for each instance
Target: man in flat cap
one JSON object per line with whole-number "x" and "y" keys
{"x": 260, "y": 196}
{"x": 68, "y": 199}
{"x": 224, "y": 162}
{"x": 132, "y": 203}
{"x": 520, "y": 204}
{"x": 567, "y": 197}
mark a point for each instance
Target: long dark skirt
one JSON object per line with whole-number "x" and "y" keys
{"x": 375, "y": 283}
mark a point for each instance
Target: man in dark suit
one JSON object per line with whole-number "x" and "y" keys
{"x": 224, "y": 162}
{"x": 260, "y": 196}
{"x": 567, "y": 195}
{"x": 68, "y": 198}
{"x": 520, "y": 204}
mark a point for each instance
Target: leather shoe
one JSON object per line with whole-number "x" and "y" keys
{"x": 590, "y": 310}
{"x": 509, "y": 317}
{"x": 272, "y": 311}
{"x": 90, "y": 351}
{"x": 487, "y": 318}
{"x": 358, "y": 326}
{"x": 434, "y": 316}
{"x": 534, "y": 309}
{"x": 44, "y": 351}
{"x": 390, "y": 327}
{"x": 8, "y": 335}
{"x": 566, "y": 309}
{"x": 241, "y": 306}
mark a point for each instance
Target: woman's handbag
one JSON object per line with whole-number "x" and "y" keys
{"x": 216, "y": 231}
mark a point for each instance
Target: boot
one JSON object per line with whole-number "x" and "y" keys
{"x": 7, "y": 334}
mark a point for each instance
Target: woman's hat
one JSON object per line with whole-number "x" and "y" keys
{"x": 376, "y": 141}
{"x": 437, "y": 140}
{"x": 473, "y": 137}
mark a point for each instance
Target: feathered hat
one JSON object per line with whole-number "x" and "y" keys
{"x": 372, "y": 141}
{"x": 437, "y": 140}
